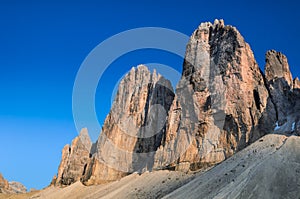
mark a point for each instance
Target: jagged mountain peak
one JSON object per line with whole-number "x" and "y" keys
{"x": 222, "y": 104}
{"x": 296, "y": 83}
{"x": 277, "y": 67}
{"x": 85, "y": 138}
{"x": 217, "y": 22}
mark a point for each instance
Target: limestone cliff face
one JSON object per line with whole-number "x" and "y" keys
{"x": 222, "y": 103}
{"x": 284, "y": 92}
{"x": 279, "y": 82}
{"x": 74, "y": 160}
{"x": 277, "y": 67}
{"x": 134, "y": 128}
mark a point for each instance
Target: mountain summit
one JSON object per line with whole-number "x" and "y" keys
{"x": 221, "y": 105}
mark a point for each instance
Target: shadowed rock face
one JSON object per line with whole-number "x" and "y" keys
{"x": 221, "y": 100}
{"x": 277, "y": 67}
{"x": 222, "y": 103}
{"x": 284, "y": 92}
{"x": 280, "y": 83}
{"x": 134, "y": 128}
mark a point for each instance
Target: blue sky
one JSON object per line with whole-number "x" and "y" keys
{"x": 43, "y": 43}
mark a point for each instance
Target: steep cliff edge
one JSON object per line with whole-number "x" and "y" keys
{"x": 74, "y": 160}
{"x": 284, "y": 92}
{"x": 134, "y": 128}
{"x": 222, "y": 104}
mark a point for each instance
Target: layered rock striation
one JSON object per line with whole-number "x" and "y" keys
{"x": 222, "y": 103}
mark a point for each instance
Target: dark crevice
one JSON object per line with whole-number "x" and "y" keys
{"x": 150, "y": 86}
{"x": 208, "y": 103}
{"x": 84, "y": 169}
{"x": 256, "y": 99}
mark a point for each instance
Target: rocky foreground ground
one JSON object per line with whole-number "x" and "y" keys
{"x": 269, "y": 168}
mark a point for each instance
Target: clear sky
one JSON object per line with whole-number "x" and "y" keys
{"x": 43, "y": 43}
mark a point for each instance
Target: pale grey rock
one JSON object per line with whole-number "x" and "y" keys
{"x": 269, "y": 168}
{"x": 283, "y": 90}
{"x": 11, "y": 187}
{"x": 17, "y": 187}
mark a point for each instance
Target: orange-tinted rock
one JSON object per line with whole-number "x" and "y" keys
{"x": 221, "y": 101}
{"x": 74, "y": 160}
{"x": 4, "y": 185}
{"x": 134, "y": 127}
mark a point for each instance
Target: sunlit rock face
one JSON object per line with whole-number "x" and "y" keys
{"x": 74, "y": 160}
{"x": 134, "y": 128}
{"x": 4, "y": 185}
{"x": 222, "y": 103}
{"x": 296, "y": 83}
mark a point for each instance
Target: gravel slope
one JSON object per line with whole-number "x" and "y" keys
{"x": 269, "y": 168}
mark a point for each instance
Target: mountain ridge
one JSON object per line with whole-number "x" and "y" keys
{"x": 222, "y": 104}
